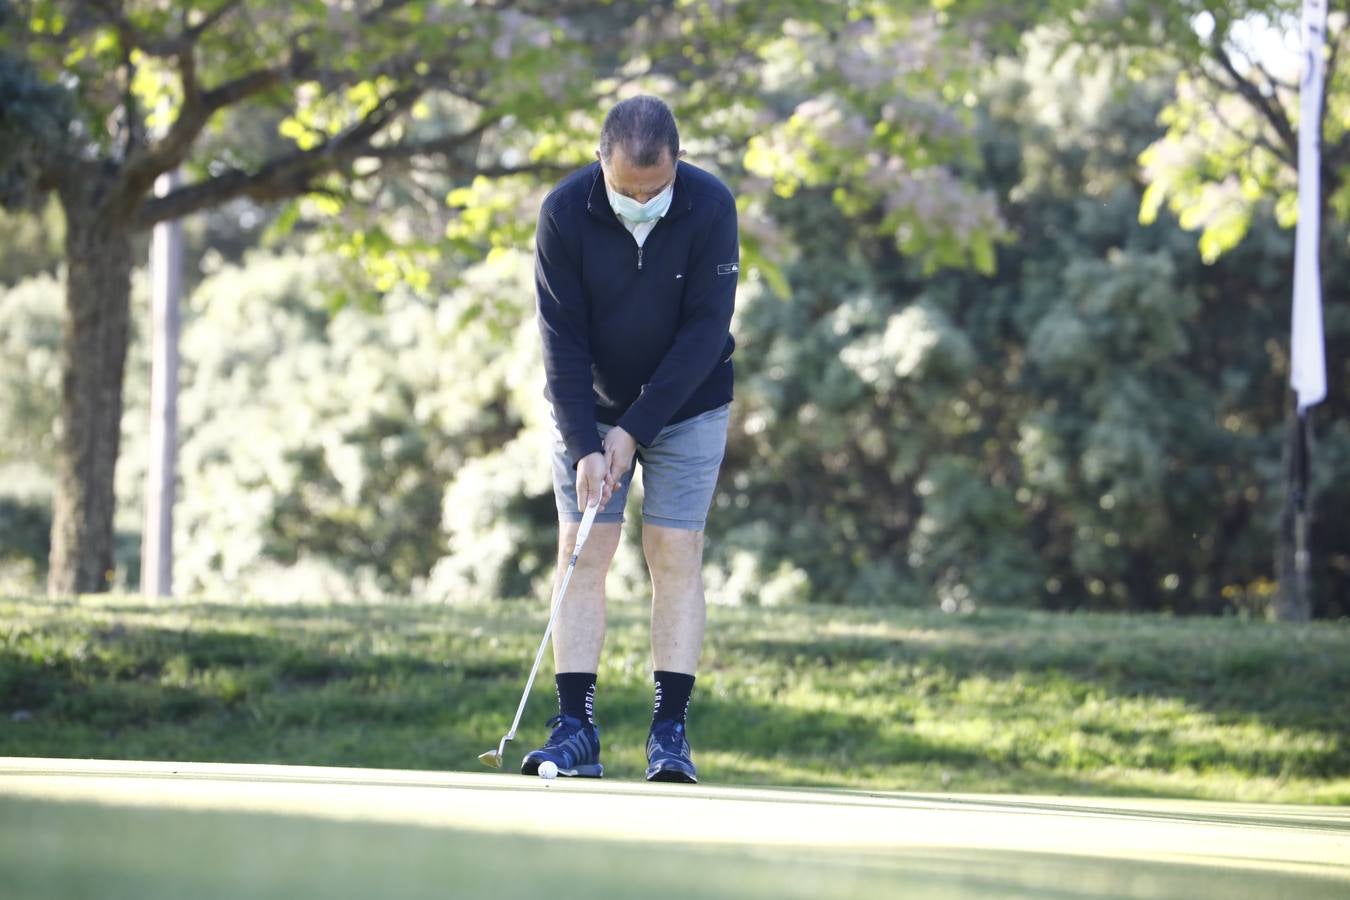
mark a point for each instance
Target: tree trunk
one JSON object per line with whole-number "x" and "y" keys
{"x": 93, "y": 359}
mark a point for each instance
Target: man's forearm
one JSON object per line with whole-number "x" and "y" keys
{"x": 686, "y": 365}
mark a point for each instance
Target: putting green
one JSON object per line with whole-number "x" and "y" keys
{"x": 76, "y": 828}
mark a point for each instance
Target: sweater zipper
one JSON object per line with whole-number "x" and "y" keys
{"x": 639, "y": 257}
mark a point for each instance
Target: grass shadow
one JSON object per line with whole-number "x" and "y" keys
{"x": 871, "y": 699}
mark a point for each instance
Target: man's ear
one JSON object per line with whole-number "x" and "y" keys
{"x": 680, "y": 155}
{"x": 598, "y": 159}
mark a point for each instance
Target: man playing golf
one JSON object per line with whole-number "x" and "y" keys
{"x": 636, "y": 262}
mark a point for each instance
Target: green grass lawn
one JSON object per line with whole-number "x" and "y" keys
{"x": 867, "y": 698}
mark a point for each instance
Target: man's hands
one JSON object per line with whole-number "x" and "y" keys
{"x": 598, "y": 475}
{"x": 619, "y": 449}
{"x": 593, "y": 481}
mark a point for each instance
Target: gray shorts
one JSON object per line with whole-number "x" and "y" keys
{"x": 679, "y": 474}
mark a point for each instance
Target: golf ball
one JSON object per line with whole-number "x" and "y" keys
{"x": 548, "y": 770}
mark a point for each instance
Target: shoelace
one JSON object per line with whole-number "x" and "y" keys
{"x": 669, "y": 736}
{"x": 558, "y": 724}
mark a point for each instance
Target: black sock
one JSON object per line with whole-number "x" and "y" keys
{"x": 576, "y": 695}
{"x": 672, "y": 695}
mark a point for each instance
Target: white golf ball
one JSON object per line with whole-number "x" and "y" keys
{"x": 548, "y": 769}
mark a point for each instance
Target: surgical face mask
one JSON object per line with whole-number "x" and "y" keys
{"x": 634, "y": 211}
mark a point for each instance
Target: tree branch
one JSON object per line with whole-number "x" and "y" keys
{"x": 131, "y": 121}
{"x": 209, "y": 21}
{"x": 197, "y": 109}
{"x": 295, "y": 173}
{"x": 199, "y": 106}
{"x": 1270, "y": 77}
{"x": 1257, "y": 139}
{"x": 286, "y": 175}
{"x": 442, "y": 146}
{"x": 1202, "y": 72}
{"x": 252, "y": 83}
{"x": 1269, "y": 107}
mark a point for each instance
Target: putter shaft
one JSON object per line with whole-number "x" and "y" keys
{"x": 493, "y": 758}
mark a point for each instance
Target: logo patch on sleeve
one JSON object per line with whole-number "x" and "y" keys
{"x": 728, "y": 268}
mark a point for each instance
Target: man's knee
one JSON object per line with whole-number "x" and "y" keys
{"x": 672, "y": 550}
{"x": 600, "y": 545}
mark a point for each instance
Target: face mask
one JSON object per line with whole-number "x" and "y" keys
{"x": 634, "y": 211}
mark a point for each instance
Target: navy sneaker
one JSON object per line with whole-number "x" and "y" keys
{"x": 668, "y": 754}
{"x": 574, "y": 747}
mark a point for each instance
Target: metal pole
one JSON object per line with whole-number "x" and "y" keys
{"x": 166, "y": 273}
{"x": 1302, "y": 555}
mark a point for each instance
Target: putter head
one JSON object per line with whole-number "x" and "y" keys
{"x": 493, "y": 758}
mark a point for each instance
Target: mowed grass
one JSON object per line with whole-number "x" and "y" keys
{"x": 880, "y": 699}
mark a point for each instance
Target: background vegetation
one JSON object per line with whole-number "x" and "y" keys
{"x": 1007, "y": 337}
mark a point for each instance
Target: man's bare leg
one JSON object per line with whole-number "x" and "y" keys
{"x": 579, "y": 632}
{"x": 679, "y": 617}
{"x": 679, "y": 610}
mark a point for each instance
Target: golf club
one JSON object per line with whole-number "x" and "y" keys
{"x": 493, "y": 758}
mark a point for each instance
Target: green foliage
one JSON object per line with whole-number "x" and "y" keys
{"x": 32, "y": 124}
{"x": 1099, "y": 424}
{"x": 462, "y": 83}
{"x": 378, "y": 107}
{"x": 1229, "y": 150}
{"x": 961, "y": 513}
{"x": 882, "y": 108}
{"x": 998, "y": 702}
{"x": 30, "y": 243}
{"x": 346, "y": 432}
{"x": 968, "y": 374}
{"x": 1209, "y": 173}
{"x": 25, "y": 524}
{"x": 864, "y": 100}
{"x": 30, "y": 340}
{"x": 497, "y": 89}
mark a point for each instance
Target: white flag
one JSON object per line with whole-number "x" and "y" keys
{"x": 1308, "y": 373}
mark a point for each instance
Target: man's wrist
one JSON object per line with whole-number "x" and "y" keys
{"x": 581, "y": 448}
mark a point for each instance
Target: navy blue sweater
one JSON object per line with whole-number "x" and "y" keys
{"x": 635, "y": 336}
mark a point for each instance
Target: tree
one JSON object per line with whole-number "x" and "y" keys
{"x": 1232, "y": 146}
{"x": 1096, "y": 425}
{"x": 355, "y": 83}
{"x": 367, "y": 90}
